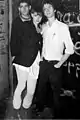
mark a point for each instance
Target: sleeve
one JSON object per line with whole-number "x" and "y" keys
{"x": 69, "y": 46}
{"x": 14, "y": 40}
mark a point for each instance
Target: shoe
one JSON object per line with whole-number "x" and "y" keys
{"x": 17, "y": 102}
{"x": 27, "y": 101}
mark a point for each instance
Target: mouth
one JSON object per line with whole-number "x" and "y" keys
{"x": 48, "y": 14}
{"x": 25, "y": 12}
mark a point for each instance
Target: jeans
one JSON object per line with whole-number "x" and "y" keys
{"x": 48, "y": 73}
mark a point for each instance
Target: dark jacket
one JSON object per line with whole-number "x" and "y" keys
{"x": 25, "y": 42}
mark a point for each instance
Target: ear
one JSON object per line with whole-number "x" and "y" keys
{"x": 32, "y": 15}
{"x": 30, "y": 7}
{"x": 54, "y": 10}
{"x": 19, "y": 8}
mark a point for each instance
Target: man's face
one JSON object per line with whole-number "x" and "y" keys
{"x": 48, "y": 10}
{"x": 36, "y": 17}
{"x": 24, "y": 9}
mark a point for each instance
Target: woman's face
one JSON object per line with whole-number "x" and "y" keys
{"x": 37, "y": 17}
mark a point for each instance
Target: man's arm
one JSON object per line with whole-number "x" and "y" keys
{"x": 63, "y": 59}
{"x": 15, "y": 43}
{"x": 13, "y": 40}
{"x": 69, "y": 47}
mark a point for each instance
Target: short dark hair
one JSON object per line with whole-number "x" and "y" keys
{"x": 38, "y": 12}
{"x": 51, "y": 2}
{"x": 24, "y": 1}
{"x": 36, "y": 8}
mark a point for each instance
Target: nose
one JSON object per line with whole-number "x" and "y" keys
{"x": 47, "y": 10}
{"x": 24, "y": 8}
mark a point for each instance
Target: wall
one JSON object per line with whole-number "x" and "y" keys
{"x": 4, "y": 83}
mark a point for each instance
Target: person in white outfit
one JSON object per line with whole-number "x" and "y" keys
{"x": 25, "y": 52}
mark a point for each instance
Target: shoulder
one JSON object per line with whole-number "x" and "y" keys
{"x": 44, "y": 26}
{"x": 16, "y": 21}
{"x": 62, "y": 25}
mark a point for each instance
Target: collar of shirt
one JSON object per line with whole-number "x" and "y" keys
{"x": 46, "y": 26}
{"x": 25, "y": 19}
{"x": 53, "y": 24}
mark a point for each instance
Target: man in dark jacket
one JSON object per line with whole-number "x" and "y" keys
{"x": 25, "y": 54}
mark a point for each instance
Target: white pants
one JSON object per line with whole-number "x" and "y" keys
{"x": 29, "y": 75}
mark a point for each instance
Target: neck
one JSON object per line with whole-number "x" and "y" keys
{"x": 51, "y": 20}
{"x": 25, "y": 18}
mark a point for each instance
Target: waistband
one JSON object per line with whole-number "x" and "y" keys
{"x": 51, "y": 61}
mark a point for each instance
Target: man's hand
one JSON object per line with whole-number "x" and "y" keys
{"x": 63, "y": 59}
{"x": 41, "y": 58}
{"x": 58, "y": 65}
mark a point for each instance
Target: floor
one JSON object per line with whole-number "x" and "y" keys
{"x": 70, "y": 110}
{"x": 69, "y": 100}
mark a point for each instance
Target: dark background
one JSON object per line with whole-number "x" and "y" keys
{"x": 71, "y": 70}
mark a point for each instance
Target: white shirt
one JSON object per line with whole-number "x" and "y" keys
{"x": 55, "y": 39}
{"x": 33, "y": 70}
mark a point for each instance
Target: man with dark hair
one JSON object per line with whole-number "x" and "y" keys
{"x": 23, "y": 1}
{"x": 56, "y": 39}
{"x": 25, "y": 54}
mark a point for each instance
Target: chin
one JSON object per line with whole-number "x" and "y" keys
{"x": 37, "y": 22}
{"x": 48, "y": 15}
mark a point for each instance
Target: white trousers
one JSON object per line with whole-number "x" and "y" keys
{"x": 29, "y": 75}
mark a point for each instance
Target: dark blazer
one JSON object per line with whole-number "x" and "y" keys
{"x": 25, "y": 42}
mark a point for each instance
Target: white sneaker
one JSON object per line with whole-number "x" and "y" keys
{"x": 17, "y": 102}
{"x": 27, "y": 101}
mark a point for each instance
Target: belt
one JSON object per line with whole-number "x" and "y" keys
{"x": 51, "y": 61}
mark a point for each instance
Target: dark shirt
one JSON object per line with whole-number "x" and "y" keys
{"x": 25, "y": 42}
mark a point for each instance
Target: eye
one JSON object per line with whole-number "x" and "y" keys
{"x": 35, "y": 15}
{"x": 26, "y": 6}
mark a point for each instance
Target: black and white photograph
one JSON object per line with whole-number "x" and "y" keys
{"x": 39, "y": 59}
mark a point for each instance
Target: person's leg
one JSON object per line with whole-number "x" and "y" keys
{"x": 41, "y": 86}
{"x": 22, "y": 78}
{"x": 31, "y": 83}
{"x": 55, "y": 80}
{"x": 15, "y": 81}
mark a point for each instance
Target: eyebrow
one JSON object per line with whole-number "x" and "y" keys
{"x": 39, "y": 14}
